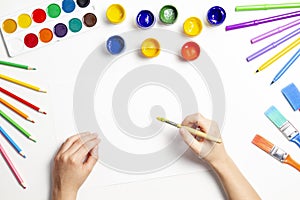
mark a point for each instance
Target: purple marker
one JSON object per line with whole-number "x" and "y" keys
{"x": 262, "y": 21}
{"x": 273, "y": 45}
{"x": 275, "y": 31}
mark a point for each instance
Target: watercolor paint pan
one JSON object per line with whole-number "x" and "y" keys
{"x": 45, "y": 24}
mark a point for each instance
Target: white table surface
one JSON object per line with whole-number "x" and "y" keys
{"x": 247, "y": 97}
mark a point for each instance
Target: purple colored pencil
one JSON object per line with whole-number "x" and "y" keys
{"x": 275, "y": 31}
{"x": 262, "y": 21}
{"x": 273, "y": 45}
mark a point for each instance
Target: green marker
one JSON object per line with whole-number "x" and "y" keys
{"x": 17, "y": 126}
{"x": 267, "y": 6}
{"x": 16, "y": 65}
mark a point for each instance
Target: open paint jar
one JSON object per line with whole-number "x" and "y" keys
{"x": 192, "y": 26}
{"x": 168, "y": 14}
{"x": 190, "y": 51}
{"x": 145, "y": 19}
{"x": 216, "y": 15}
{"x": 115, "y": 44}
{"x": 150, "y": 48}
{"x": 115, "y": 13}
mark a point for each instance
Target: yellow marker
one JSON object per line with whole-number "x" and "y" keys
{"x": 150, "y": 48}
{"x": 24, "y": 20}
{"x": 192, "y": 26}
{"x": 279, "y": 55}
{"x": 115, "y": 13}
{"x": 7, "y": 78}
{"x": 191, "y": 130}
{"x": 9, "y": 26}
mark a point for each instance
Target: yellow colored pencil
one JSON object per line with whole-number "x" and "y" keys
{"x": 16, "y": 110}
{"x": 191, "y": 130}
{"x": 279, "y": 55}
{"x": 27, "y": 85}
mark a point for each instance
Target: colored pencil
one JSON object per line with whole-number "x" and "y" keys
{"x": 284, "y": 126}
{"x": 12, "y": 167}
{"x": 191, "y": 130}
{"x": 273, "y": 45}
{"x": 286, "y": 66}
{"x": 262, "y": 21}
{"x": 12, "y": 142}
{"x": 275, "y": 31}
{"x": 30, "y": 105}
{"x": 275, "y": 151}
{"x": 17, "y": 126}
{"x": 16, "y": 110}
{"x": 267, "y": 6}
{"x": 279, "y": 55}
{"x": 16, "y": 65}
{"x": 21, "y": 83}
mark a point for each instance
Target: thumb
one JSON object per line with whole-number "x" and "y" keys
{"x": 190, "y": 140}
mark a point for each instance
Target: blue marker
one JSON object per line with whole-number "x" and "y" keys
{"x": 15, "y": 146}
{"x": 286, "y": 66}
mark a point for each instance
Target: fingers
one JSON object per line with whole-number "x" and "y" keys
{"x": 191, "y": 141}
{"x": 66, "y": 145}
{"x": 92, "y": 158}
{"x": 197, "y": 120}
{"x": 84, "y": 150}
{"x": 82, "y": 140}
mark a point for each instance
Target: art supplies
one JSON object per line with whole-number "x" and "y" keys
{"x": 16, "y": 110}
{"x": 273, "y": 45}
{"x": 115, "y": 44}
{"x": 192, "y": 26}
{"x": 284, "y": 126}
{"x": 279, "y": 55}
{"x": 292, "y": 95}
{"x": 275, "y": 31}
{"x": 12, "y": 167}
{"x": 12, "y": 142}
{"x": 286, "y": 66}
{"x": 267, "y": 6}
{"x": 21, "y": 100}
{"x": 150, "y": 48}
{"x": 45, "y": 24}
{"x": 115, "y": 14}
{"x": 21, "y": 83}
{"x": 275, "y": 151}
{"x": 216, "y": 15}
{"x": 262, "y": 21}
{"x": 145, "y": 19}
{"x": 191, "y": 130}
{"x": 190, "y": 51}
{"x": 16, "y": 65}
{"x": 168, "y": 14}
{"x": 16, "y": 125}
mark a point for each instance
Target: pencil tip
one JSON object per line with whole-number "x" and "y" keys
{"x": 43, "y": 91}
{"x": 256, "y": 71}
{"x": 33, "y": 68}
{"x": 22, "y": 154}
{"x": 44, "y": 113}
{"x": 23, "y": 185}
{"x": 272, "y": 83}
{"x": 30, "y": 120}
{"x": 31, "y": 138}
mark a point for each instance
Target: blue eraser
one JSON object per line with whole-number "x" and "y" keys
{"x": 292, "y": 95}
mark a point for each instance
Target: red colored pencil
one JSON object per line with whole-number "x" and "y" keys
{"x": 21, "y": 100}
{"x": 12, "y": 167}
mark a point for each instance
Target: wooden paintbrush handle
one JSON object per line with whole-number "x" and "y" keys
{"x": 292, "y": 162}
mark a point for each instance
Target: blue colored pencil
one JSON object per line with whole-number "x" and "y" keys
{"x": 10, "y": 140}
{"x": 286, "y": 66}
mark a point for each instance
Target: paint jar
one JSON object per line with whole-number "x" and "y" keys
{"x": 190, "y": 51}
{"x": 216, "y": 16}
{"x": 115, "y": 44}
{"x": 145, "y": 19}
{"x": 115, "y": 14}
{"x": 192, "y": 26}
{"x": 150, "y": 48}
{"x": 168, "y": 14}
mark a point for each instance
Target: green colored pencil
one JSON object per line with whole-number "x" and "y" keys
{"x": 16, "y": 65}
{"x": 267, "y": 6}
{"x": 17, "y": 126}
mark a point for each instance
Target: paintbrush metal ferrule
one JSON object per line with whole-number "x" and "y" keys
{"x": 172, "y": 123}
{"x": 278, "y": 154}
{"x": 288, "y": 130}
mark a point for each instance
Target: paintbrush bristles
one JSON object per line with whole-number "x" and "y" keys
{"x": 161, "y": 119}
{"x": 262, "y": 143}
{"x": 275, "y": 116}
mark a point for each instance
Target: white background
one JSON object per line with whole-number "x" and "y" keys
{"x": 247, "y": 97}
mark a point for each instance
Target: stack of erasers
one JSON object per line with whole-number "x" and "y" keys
{"x": 45, "y": 24}
{"x": 4, "y": 102}
{"x": 168, "y": 15}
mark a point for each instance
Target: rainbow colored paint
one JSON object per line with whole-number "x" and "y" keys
{"x": 45, "y": 24}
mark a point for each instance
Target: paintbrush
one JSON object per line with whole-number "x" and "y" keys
{"x": 275, "y": 151}
{"x": 292, "y": 95}
{"x": 285, "y": 127}
{"x": 191, "y": 130}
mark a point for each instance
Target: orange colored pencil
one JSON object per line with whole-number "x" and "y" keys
{"x": 16, "y": 110}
